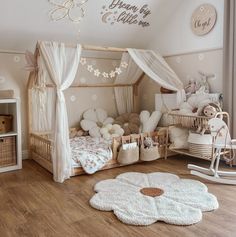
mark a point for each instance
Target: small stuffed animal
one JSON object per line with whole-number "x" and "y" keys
{"x": 210, "y": 110}
{"x": 76, "y": 132}
{"x": 148, "y": 142}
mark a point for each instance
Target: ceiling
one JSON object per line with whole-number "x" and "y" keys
{"x": 22, "y": 23}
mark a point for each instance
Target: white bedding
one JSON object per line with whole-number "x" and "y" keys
{"x": 90, "y": 153}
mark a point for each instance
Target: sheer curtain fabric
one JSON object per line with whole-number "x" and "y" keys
{"x": 62, "y": 64}
{"x": 154, "y": 65}
{"x": 124, "y": 95}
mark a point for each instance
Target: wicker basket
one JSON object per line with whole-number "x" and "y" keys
{"x": 129, "y": 156}
{"x": 200, "y": 145}
{"x": 5, "y": 123}
{"x": 7, "y": 151}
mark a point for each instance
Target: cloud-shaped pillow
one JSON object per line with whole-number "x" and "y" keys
{"x": 149, "y": 122}
{"x": 94, "y": 120}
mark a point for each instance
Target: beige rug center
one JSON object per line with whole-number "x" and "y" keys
{"x": 152, "y": 192}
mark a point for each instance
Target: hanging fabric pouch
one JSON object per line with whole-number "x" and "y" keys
{"x": 129, "y": 150}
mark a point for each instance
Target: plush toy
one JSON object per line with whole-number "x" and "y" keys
{"x": 130, "y": 122}
{"x": 149, "y": 122}
{"x": 94, "y": 120}
{"x": 110, "y": 131}
{"x": 191, "y": 88}
{"x": 209, "y": 111}
{"x": 76, "y": 132}
{"x": 194, "y": 104}
{"x": 179, "y": 137}
{"x": 148, "y": 142}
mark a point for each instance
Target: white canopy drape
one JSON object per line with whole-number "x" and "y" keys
{"x": 124, "y": 95}
{"x": 62, "y": 64}
{"x": 43, "y": 100}
{"x": 154, "y": 65}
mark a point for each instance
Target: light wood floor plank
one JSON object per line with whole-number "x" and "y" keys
{"x": 31, "y": 204}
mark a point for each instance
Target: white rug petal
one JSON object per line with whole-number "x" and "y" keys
{"x": 188, "y": 185}
{"x": 161, "y": 180}
{"x": 177, "y": 213}
{"x": 134, "y": 178}
{"x": 203, "y": 201}
{"x": 114, "y": 185}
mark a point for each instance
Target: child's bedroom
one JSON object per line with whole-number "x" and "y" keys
{"x": 117, "y": 118}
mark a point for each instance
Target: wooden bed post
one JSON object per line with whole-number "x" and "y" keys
{"x": 135, "y": 92}
{"x": 30, "y": 84}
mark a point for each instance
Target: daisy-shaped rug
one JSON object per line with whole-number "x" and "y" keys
{"x": 142, "y": 199}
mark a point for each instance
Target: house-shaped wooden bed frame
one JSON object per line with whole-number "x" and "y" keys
{"x": 40, "y": 145}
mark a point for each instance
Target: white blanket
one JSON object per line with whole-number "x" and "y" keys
{"x": 90, "y": 153}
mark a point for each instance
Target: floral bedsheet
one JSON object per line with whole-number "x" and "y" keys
{"x": 90, "y": 153}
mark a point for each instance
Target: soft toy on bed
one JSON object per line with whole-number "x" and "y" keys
{"x": 110, "y": 131}
{"x": 94, "y": 120}
{"x": 130, "y": 123}
{"x": 149, "y": 122}
{"x": 76, "y": 132}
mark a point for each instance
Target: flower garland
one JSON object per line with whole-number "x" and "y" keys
{"x": 97, "y": 73}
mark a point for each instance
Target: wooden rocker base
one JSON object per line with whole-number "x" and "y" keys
{"x": 214, "y": 178}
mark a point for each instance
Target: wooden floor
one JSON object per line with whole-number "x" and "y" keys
{"x": 31, "y": 204}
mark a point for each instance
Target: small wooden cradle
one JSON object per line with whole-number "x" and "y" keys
{"x": 194, "y": 122}
{"x": 41, "y": 146}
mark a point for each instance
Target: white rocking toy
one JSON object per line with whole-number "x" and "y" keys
{"x": 222, "y": 146}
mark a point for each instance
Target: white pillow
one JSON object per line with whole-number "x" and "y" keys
{"x": 149, "y": 122}
{"x": 179, "y": 137}
{"x": 93, "y": 120}
{"x": 110, "y": 131}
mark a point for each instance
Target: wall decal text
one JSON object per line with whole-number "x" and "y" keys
{"x": 121, "y": 12}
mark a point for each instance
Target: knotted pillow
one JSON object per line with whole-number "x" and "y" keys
{"x": 110, "y": 131}
{"x": 94, "y": 120}
{"x": 149, "y": 122}
{"x": 130, "y": 122}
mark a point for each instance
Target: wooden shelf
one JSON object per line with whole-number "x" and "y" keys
{"x": 187, "y": 153}
{"x": 9, "y": 134}
{"x": 12, "y": 107}
{"x": 8, "y": 101}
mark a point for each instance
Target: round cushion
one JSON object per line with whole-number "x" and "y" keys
{"x": 130, "y": 122}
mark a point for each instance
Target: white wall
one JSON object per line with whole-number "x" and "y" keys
{"x": 176, "y": 36}
{"x": 186, "y": 52}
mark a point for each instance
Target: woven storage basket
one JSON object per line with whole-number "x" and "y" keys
{"x": 7, "y": 151}
{"x": 200, "y": 145}
{"x": 129, "y": 156}
{"x": 149, "y": 154}
{"x": 5, "y": 123}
